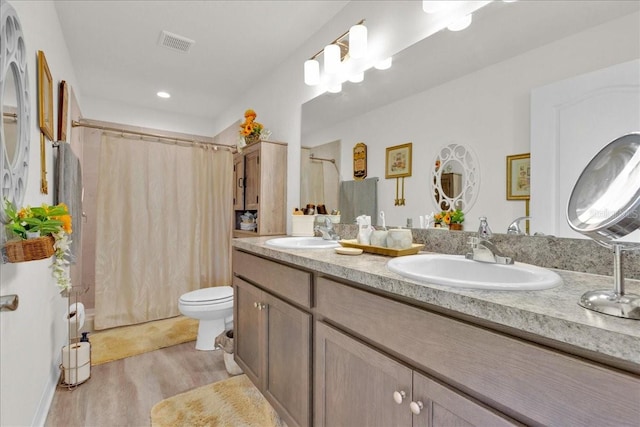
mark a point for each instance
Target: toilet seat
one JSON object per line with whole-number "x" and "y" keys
{"x": 208, "y": 296}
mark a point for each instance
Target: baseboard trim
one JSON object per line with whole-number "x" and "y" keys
{"x": 42, "y": 411}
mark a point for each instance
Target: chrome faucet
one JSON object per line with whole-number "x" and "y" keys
{"x": 514, "y": 227}
{"x": 482, "y": 250}
{"x": 326, "y": 230}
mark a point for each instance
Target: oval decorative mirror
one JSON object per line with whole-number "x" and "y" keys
{"x": 605, "y": 206}
{"x": 456, "y": 178}
{"x": 15, "y": 108}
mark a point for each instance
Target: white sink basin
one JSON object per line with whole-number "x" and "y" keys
{"x": 457, "y": 271}
{"x": 302, "y": 243}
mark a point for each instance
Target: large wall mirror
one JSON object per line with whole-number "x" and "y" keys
{"x": 474, "y": 88}
{"x": 15, "y": 108}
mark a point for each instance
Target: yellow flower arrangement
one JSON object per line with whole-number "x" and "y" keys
{"x": 250, "y": 128}
{"x": 449, "y": 217}
{"x": 45, "y": 221}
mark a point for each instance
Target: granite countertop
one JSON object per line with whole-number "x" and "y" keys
{"x": 551, "y": 314}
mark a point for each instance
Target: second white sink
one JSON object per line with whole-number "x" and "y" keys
{"x": 457, "y": 271}
{"x": 302, "y": 243}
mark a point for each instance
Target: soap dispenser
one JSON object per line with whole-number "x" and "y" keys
{"x": 484, "y": 232}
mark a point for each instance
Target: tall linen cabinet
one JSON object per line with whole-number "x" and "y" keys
{"x": 260, "y": 180}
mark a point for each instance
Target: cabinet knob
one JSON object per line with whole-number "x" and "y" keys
{"x": 399, "y": 396}
{"x": 256, "y": 305}
{"x": 416, "y": 407}
{"x": 260, "y": 306}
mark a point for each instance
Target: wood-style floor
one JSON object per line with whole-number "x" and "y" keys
{"x": 122, "y": 392}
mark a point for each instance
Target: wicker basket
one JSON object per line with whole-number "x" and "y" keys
{"x": 251, "y": 139}
{"x": 30, "y": 249}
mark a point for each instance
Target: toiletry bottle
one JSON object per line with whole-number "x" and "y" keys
{"x": 364, "y": 229}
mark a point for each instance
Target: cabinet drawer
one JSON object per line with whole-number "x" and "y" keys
{"x": 287, "y": 282}
{"x": 527, "y": 381}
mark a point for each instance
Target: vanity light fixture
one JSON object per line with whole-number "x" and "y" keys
{"x": 338, "y": 60}
{"x": 163, "y": 94}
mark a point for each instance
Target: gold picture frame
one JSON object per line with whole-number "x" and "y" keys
{"x": 45, "y": 96}
{"x": 519, "y": 177}
{"x": 398, "y": 161}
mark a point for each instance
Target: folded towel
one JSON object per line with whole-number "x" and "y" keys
{"x": 68, "y": 190}
{"x": 358, "y": 198}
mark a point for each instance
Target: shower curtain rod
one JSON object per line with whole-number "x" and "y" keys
{"x": 321, "y": 159}
{"x": 75, "y": 123}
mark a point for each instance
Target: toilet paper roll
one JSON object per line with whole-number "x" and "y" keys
{"x": 77, "y": 375}
{"x": 76, "y": 316}
{"x": 76, "y": 355}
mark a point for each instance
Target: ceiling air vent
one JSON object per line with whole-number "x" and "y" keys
{"x": 175, "y": 42}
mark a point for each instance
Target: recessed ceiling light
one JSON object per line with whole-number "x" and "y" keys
{"x": 163, "y": 94}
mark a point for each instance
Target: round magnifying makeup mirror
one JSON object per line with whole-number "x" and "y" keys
{"x": 605, "y": 206}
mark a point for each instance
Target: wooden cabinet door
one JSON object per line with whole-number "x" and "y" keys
{"x": 252, "y": 180}
{"x": 238, "y": 180}
{"x": 250, "y": 330}
{"x": 355, "y": 384}
{"x": 440, "y": 406}
{"x": 288, "y": 379}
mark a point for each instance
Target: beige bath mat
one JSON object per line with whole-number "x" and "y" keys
{"x": 126, "y": 341}
{"x": 234, "y": 402}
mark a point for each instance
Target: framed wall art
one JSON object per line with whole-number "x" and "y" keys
{"x": 519, "y": 177}
{"x": 360, "y": 161}
{"x": 398, "y": 161}
{"x": 63, "y": 107}
{"x": 45, "y": 96}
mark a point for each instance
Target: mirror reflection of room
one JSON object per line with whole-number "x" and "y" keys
{"x": 10, "y": 116}
{"x": 319, "y": 175}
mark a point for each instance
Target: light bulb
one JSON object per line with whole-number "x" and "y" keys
{"x": 311, "y": 72}
{"x": 331, "y": 59}
{"x": 460, "y": 24}
{"x": 432, "y": 6}
{"x": 163, "y": 94}
{"x": 358, "y": 41}
{"x": 334, "y": 88}
{"x": 356, "y": 77}
{"x": 385, "y": 64}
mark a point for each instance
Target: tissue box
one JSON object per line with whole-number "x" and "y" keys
{"x": 302, "y": 225}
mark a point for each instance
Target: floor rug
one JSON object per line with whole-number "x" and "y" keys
{"x": 234, "y": 402}
{"x": 118, "y": 343}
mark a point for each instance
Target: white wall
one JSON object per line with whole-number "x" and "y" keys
{"x": 487, "y": 110}
{"x": 31, "y": 337}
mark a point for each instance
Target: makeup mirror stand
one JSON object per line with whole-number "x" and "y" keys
{"x": 617, "y": 302}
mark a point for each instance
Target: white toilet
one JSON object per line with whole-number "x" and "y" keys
{"x": 213, "y": 307}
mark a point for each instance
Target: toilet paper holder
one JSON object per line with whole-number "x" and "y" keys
{"x": 9, "y": 302}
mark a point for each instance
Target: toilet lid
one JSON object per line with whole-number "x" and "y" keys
{"x": 218, "y": 294}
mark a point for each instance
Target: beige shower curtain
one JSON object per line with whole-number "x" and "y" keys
{"x": 163, "y": 227}
{"x": 311, "y": 180}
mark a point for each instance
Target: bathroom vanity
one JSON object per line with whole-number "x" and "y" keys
{"x": 340, "y": 340}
